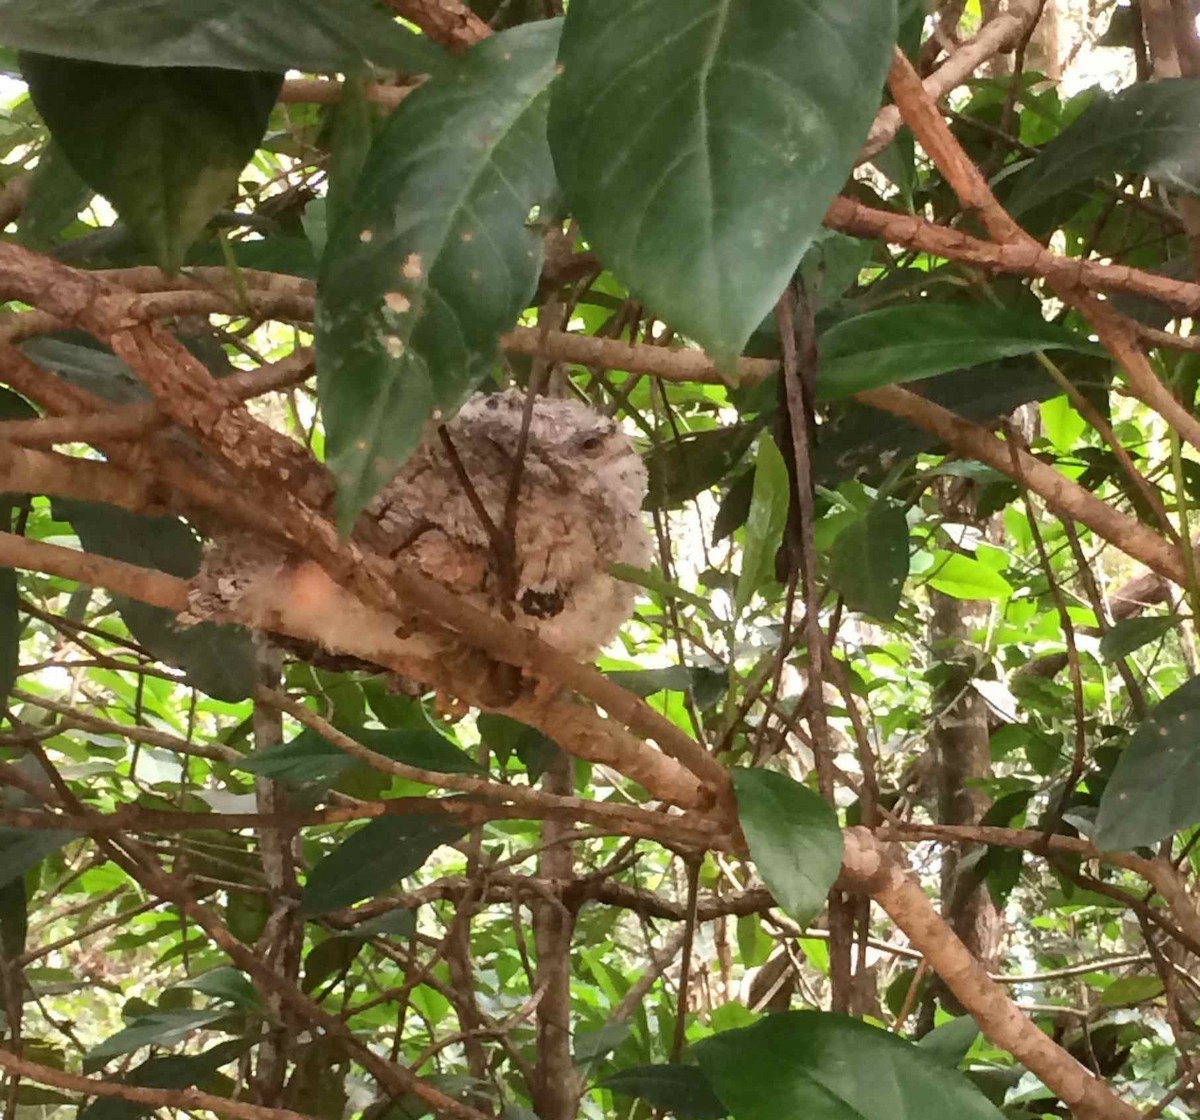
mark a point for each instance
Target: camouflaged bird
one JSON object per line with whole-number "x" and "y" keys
{"x": 581, "y": 485}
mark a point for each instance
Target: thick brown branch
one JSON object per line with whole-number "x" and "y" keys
{"x": 874, "y": 869}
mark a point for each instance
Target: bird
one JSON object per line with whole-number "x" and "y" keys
{"x": 580, "y": 484}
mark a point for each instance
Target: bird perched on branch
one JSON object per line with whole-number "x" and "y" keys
{"x": 521, "y": 515}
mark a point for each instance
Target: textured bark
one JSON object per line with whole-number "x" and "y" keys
{"x": 556, "y": 1085}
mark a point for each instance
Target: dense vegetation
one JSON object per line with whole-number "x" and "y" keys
{"x": 884, "y": 803}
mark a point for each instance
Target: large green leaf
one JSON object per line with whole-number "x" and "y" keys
{"x": 217, "y": 659}
{"x": 765, "y": 523}
{"x": 793, "y": 836}
{"x": 164, "y": 145}
{"x": 1152, "y": 791}
{"x": 436, "y": 257}
{"x": 821, "y": 1066}
{"x": 311, "y": 758}
{"x": 699, "y": 143}
{"x": 964, "y": 577}
{"x": 898, "y": 344}
{"x": 311, "y": 35}
{"x": 374, "y": 858}
{"x": 868, "y": 563}
{"x": 683, "y": 1091}
{"x": 1151, "y": 129}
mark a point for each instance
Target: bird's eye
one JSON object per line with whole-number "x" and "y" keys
{"x": 592, "y": 443}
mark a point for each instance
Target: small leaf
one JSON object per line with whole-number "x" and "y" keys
{"x": 868, "y": 563}
{"x": 1148, "y": 129}
{"x": 950, "y": 1042}
{"x": 591, "y": 1046}
{"x": 793, "y": 837}
{"x": 1130, "y": 990}
{"x": 1152, "y": 791}
{"x": 174, "y": 1071}
{"x": 1130, "y": 634}
{"x": 436, "y": 256}
{"x": 373, "y": 859}
{"x": 707, "y": 685}
{"x": 822, "y": 1066}
{"x": 683, "y": 1091}
{"x": 507, "y": 737}
{"x": 679, "y": 470}
{"x": 121, "y": 128}
{"x": 14, "y": 918}
{"x": 765, "y": 523}
{"x": 56, "y": 195}
{"x": 316, "y": 36}
{"x": 911, "y": 343}
{"x": 218, "y": 660}
{"x": 24, "y": 848}
{"x": 962, "y": 577}
{"x": 699, "y": 143}
{"x": 310, "y": 758}
{"x": 157, "y": 1028}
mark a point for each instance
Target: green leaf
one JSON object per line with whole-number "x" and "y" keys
{"x": 506, "y": 737}
{"x": 707, "y": 685}
{"x": 699, "y": 143}
{"x": 963, "y": 577}
{"x": 435, "y": 258}
{"x": 56, "y": 195}
{"x": 158, "y": 1028}
{"x": 868, "y": 563}
{"x": 1152, "y": 791}
{"x": 681, "y": 1090}
{"x": 310, "y": 758}
{"x": 827, "y": 1067}
{"x": 218, "y": 660}
{"x": 1130, "y": 634}
{"x": 11, "y": 627}
{"x": 164, "y": 146}
{"x": 1131, "y": 990}
{"x": 766, "y": 522}
{"x": 174, "y": 1071}
{"x": 679, "y": 470}
{"x": 950, "y": 1042}
{"x": 793, "y": 836}
{"x": 22, "y": 849}
{"x": 373, "y": 859}
{"x": 911, "y": 343}
{"x": 329, "y": 36}
{"x": 1148, "y": 129}
{"x": 353, "y": 132}
{"x": 14, "y": 917}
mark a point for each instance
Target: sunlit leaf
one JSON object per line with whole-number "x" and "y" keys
{"x": 963, "y": 577}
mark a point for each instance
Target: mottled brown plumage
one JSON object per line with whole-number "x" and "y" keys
{"x": 578, "y": 512}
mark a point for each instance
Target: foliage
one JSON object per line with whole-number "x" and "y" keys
{"x": 917, "y": 495}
